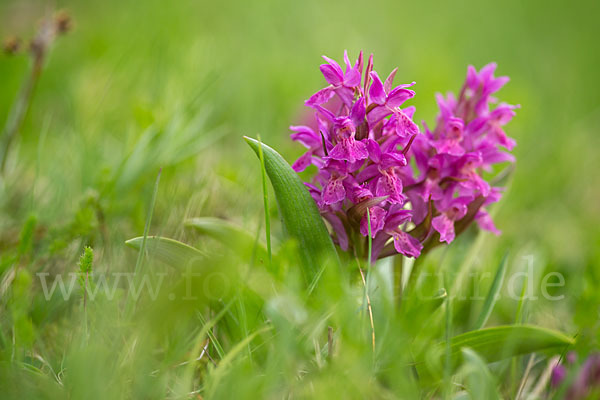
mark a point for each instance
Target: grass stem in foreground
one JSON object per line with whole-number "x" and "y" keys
{"x": 265, "y": 199}
{"x": 140, "y": 258}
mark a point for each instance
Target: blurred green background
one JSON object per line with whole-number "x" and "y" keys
{"x": 210, "y": 72}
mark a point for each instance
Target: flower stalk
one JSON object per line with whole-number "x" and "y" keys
{"x": 39, "y": 47}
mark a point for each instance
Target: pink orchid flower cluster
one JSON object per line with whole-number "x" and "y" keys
{"x": 378, "y": 172}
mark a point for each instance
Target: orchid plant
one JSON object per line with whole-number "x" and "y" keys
{"x": 377, "y": 172}
{"x": 385, "y": 186}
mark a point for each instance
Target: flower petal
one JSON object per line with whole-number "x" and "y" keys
{"x": 377, "y": 215}
{"x": 321, "y": 97}
{"x": 303, "y": 162}
{"x": 352, "y": 78}
{"x": 407, "y": 245}
{"x": 347, "y": 61}
{"x": 349, "y": 150}
{"x": 377, "y": 114}
{"x": 387, "y": 85}
{"x": 306, "y": 136}
{"x": 334, "y": 192}
{"x": 338, "y": 228}
{"x": 357, "y": 114}
{"x": 398, "y": 96}
{"x": 389, "y": 185}
{"x": 376, "y": 91}
{"x": 374, "y": 150}
{"x": 485, "y": 222}
{"x": 333, "y": 75}
{"x": 445, "y": 227}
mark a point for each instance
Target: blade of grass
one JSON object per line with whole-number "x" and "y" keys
{"x": 369, "y": 308}
{"x": 518, "y": 320}
{"x": 530, "y": 364}
{"x": 448, "y": 350}
{"x": 519, "y": 317}
{"x": 220, "y": 370}
{"x": 186, "y": 381}
{"x": 140, "y": 258}
{"x": 138, "y": 263}
{"x": 491, "y": 297}
{"x": 369, "y": 239}
{"x": 244, "y": 320}
{"x": 265, "y": 199}
{"x": 315, "y": 281}
{"x": 212, "y": 337}
{"x": 366, "y": 281}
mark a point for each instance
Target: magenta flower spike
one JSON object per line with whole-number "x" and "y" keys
{"x": 418, "y": 186}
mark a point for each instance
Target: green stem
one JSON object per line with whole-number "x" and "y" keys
{"x": 85, "y": 319}
{"x": 140, "y": 258}
{"x": 265, "y": 199}
{"x": 20, "y": 107}
{"x": 369, "y": 238}
{"x": 397, "y": 274}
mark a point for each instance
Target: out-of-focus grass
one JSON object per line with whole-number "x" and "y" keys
{"x": 132, "y": 70}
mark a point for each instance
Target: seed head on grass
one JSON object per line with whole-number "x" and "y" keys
{"x": 86, "y": 261}
{"x": 63, "y": 22}
{"x": 39, "y": 47}
{"x": 11, "y": 45}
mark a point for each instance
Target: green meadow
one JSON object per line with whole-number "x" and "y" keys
{"x": 132, "y": 146}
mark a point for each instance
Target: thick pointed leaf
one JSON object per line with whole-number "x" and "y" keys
{"x": 500, "y": 342}
{"x": 229, "y": 234}
{"x": 169, "y": 251}
{"x": 299, "y": 213}
{"x": 495, "y": 344}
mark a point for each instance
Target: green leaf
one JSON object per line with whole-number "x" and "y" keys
{"x": 299, "y": 213}
{"x": 501, "y": 342}
{"x": 491, "y": 298}
{"x": 244, "y": 244}
{"x": 495, "y": 344}
{"x": 167, "y": 250}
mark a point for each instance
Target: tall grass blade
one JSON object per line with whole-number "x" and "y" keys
{"x": 140, "y": 258}
{"x": 491, "y": 297}
{"x": 448, "y": 347}
{"x": 169, "y": 251}
{"x": 265, "y": 198}
{"x": 221, "y": 369}
{"x": 299, "y": 213}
